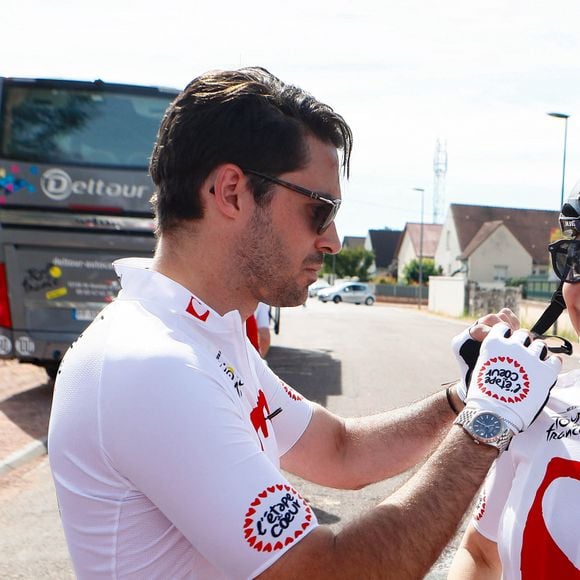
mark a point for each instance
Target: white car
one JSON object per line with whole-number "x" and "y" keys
{"x": 317, "y": 286}
{"x": 355, "y": 292}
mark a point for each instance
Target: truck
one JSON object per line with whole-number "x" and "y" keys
{"x": 74, "y": 196}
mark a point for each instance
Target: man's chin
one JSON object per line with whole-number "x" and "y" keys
{"x": 289, "y": 300}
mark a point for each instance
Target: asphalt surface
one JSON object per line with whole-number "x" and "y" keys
{"x": 25, "y": 398}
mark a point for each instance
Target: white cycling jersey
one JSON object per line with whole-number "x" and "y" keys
{"x": 530, "y": 502}
{"x": 165, "y": 437}
{"x": 262, "y": 315}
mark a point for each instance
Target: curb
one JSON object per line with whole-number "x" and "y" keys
{"x": 36, "y": 448}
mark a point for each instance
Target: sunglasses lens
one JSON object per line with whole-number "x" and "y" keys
{"x": 566, "y": 260}
{"x": 324, "y": 215}
{"x": 573, "y": 261}
{"x": 559, "y": 261}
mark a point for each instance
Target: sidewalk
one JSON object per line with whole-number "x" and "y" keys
{"x": 25, "y": 399}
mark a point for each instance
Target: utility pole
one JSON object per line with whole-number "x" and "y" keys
{"x": 422, "y": 191}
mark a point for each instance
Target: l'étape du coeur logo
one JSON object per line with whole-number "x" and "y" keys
{"x": 58, "y": 185}
{"x": 276, "y": 518}
{"x": 504, "y": 378}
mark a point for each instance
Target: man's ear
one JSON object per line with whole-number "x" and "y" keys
{"x": 230, "y": 190}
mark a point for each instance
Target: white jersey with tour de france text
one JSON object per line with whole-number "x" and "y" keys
{"x": 165, "y": 437}
{"x": 530, "y": 502}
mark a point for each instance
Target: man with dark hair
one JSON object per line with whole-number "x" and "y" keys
{"x": 168, "y": 431}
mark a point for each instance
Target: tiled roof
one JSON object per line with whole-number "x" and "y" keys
{"x": 384, "y": 243}
{"x": 531, "y": 227}
{"x": 431, "y": 235}
{"x": 353, "y": 242}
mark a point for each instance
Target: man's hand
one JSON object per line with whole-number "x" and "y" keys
{"x": 466, "y": 346}
{"x": 513, "y": 376}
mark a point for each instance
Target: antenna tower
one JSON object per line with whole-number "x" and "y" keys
{"x": 439, "y": 172}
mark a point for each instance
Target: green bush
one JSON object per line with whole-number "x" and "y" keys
{"x": 349, "y": 263}
{"x": 411, "y": 271}
{"x": 514, "y": 282}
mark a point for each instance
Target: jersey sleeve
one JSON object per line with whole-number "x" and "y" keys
{"x": 293, "y": 411}
{"x": 184, "y": 442}
{"x": 493, "y": 496}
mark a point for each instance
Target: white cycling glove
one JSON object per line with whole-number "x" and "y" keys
{"x": 512, "y": 377}
{"x": 466, "y": 351}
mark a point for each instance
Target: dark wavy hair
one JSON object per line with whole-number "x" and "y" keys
{"x": 247, "y": 117}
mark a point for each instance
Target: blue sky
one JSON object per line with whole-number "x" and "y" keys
{"x": 479, "y": 76}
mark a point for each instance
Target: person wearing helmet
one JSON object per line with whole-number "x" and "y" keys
{"x": 526, "y": 518}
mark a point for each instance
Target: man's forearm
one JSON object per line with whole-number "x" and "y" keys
{"x": 384, "y": 445}
{"x": 403, "y": 536}
{"x": 411, "y": 527}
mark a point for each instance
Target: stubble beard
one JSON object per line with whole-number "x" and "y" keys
{"x": 263, "y": 261}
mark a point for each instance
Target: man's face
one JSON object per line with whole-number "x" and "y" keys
{"x": 281, "y": 252}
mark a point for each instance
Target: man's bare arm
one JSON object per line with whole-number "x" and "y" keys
{"x": 264, "y": 340}
{"x": 352, "y": 453}
{"x": 476, "y": 559}
{"x": 401, "y": 537}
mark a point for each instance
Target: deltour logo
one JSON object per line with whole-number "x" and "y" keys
{"x": 58, "y": 185}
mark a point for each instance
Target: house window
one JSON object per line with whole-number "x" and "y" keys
{"x": 500, "y": 273}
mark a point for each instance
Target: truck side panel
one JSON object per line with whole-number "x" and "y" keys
{"x": 58, "y": 280}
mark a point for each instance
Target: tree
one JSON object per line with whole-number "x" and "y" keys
{"x": 349, "y": 262}
{"x": 411, "y": 271}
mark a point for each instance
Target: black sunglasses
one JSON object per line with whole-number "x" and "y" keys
{"x": 326, "y": 210}
{"x": 565, "y": 256}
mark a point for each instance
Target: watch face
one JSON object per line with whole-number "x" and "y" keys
{"x": 486, "y": 426}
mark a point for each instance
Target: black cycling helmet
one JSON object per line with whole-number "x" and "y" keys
{"x": 570, "y": 214}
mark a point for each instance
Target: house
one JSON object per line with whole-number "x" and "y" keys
{"x": 383, "y": 243}
{"x": 492, "y": 244}
{"x": 416, "y": 240}
{"x": 353, "y": 242}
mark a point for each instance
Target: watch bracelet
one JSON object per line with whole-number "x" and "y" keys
{"x": 470, "y": 412}
{"x": 466, "y": 416}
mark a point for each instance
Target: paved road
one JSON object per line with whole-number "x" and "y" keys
{"x": 353, "y": 359}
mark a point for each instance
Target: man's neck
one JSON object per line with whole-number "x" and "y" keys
{"x": 203, "y": 268}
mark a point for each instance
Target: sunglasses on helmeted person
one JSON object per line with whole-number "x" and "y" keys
{"x": 325, "y": 211}
{"x": 565, "y": 255}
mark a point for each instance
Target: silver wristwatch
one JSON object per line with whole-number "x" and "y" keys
{"x": 485, "y": 427}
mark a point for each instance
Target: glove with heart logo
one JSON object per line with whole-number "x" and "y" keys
{"x": 512, "y": 377}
